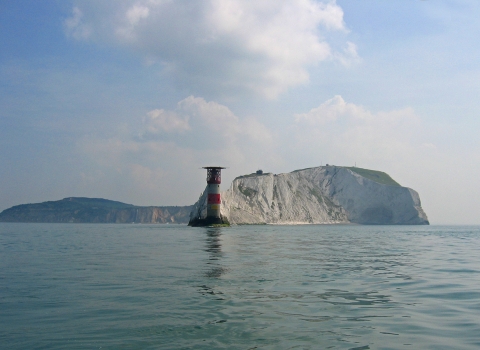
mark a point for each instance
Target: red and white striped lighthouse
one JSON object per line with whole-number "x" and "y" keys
{"x": 214, "y": 178}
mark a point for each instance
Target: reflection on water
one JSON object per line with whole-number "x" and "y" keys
{"x": 214, "y": 268}
{"x": 214, "y": 247}
{"x": 213, "y": 243}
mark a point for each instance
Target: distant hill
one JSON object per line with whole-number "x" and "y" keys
{"x": 94, "y": 210}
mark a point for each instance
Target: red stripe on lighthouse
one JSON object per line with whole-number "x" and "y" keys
{"x": 214, "y": 198}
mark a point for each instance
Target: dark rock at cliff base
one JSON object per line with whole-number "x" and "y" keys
{"x": 94, "y": 210}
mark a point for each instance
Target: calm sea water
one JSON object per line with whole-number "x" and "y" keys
{"x": 84, "y": 286}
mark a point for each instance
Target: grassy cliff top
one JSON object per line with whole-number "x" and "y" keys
{"x": 374, "y": 175}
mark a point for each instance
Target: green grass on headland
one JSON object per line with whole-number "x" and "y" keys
{"x": 374, "y": 175}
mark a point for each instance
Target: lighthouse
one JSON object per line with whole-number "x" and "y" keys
{"x": 214, "y": 200}
{"x": 214, "y": 179}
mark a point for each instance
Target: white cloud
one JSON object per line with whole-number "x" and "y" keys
{"x": 75, "y": 27}
{"x": 224, "y": 46}
{"x": 282, "y": 34}
{"x": 133, "y": 16}
{"x": 331, "y": 110}
{"x": 350, "y": 132}
{"x": 211, "y": 115}
{"x": 349, "y": 56}
{"x": 136, "y": 13}
{"x": 160, "y": 120}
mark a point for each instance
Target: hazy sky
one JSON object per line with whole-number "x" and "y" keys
{"x": 126, "y": 100}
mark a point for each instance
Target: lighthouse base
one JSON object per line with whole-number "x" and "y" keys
{"x": 208, "y": 221}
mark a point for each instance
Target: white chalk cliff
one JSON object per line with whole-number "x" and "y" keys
{"x": 321, "y": 195}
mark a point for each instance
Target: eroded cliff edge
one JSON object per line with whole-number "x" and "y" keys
{"x": 320, "y": 195}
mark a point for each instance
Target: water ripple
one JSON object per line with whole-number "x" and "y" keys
{"x": 251, "y": 287}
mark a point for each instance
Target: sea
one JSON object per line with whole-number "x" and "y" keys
{"x": 115, "y": 286}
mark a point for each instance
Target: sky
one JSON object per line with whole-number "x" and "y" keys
{"x": 128, "y": 99}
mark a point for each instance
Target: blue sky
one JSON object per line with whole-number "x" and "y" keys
{"x": 126, "y": 100}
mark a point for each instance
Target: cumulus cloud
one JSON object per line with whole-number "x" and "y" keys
{"x": 263, "y": 47}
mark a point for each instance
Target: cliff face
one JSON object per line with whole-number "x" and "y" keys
{"x": 147, "y": 215}
{"x": 94, "y": 210}
{"x": 321, "y": 195}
